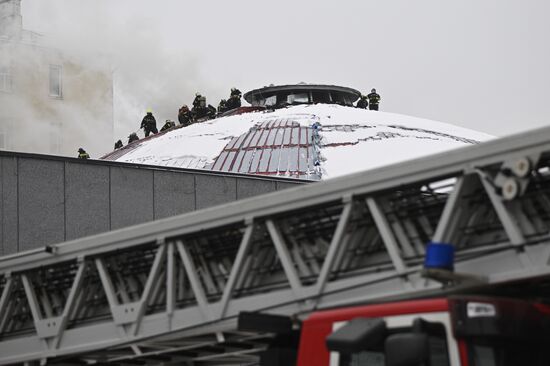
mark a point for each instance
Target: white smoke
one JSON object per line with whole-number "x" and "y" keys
{"x": 146, "y": 72}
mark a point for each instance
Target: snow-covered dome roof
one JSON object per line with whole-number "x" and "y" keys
{"x": 316, "y": 141}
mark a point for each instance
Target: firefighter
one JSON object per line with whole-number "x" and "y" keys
{"x": 374, "y": 99}
{"x": 168, "y": 125}
{"x": 149, "y": 123}
{"x": 234, "y": 100}
{"x": 82, "y": 154}
{"x": 235, "y": 91}
{"x": 362, "y": 102}
{"x": 132, "y": 137}
{"x": 196, "y": 101}
{"x": 200, "y": 109}
{"x": 118, "y": 144}
{"x": 211, "y": 112}
{"x": 184, "y": 116}
{"x": 222, "y": 107}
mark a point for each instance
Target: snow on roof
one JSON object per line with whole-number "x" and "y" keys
{"x": 305, "y": 141}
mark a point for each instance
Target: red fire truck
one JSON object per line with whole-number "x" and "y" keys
{"x": 453, "y": 331}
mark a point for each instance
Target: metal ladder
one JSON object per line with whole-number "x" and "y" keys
{"x": 170, "y": 291}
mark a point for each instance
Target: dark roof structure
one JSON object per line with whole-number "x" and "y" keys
{"x": 283, "y": 95}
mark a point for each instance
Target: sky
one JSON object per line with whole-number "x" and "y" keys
{"x": 479, "y": 64}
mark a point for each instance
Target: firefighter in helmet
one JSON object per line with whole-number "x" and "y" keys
{"x": 234, "y": 100}
{"x": 132, "y": 137}
{"x": 197, "y": 100}
{"x": 149, "y": 123}
{"x": 200, "y": 109}
{"x": 168, "y": 125}
{"x": 211, "y": 111}
{"x": 235, "y": 91}
{"x": 222, "y": 107}
{"x": 184, "y": 116}
{"x": 82, "y": 154}
{"x": 374, "y": 100}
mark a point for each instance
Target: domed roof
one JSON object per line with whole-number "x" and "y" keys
{"x": 316, "y": 141}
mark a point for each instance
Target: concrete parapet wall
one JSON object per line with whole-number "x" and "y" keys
{"x": 48, "y": 199}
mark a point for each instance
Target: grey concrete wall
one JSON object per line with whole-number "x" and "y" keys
{"x": 174, "y": 193}
{"x": 87, "y": 200}
{"x": 131, "y": 197}
{"x": 41, "y": 202}
{"x": 10, "y": 214}
{"x": 46, "y": 200}
{"x": 212, "y": 191}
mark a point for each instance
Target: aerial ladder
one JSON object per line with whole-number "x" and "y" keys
{"x": 171, "y": 291}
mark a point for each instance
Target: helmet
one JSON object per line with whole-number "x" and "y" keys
{"x": 373, "y": 90}
{"x": 197, "y": 94}
{"x": 80, "y": 150}
{"x": 233, "y": 89}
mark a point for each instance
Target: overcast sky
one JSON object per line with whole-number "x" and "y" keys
{"x": 479, "y": 64}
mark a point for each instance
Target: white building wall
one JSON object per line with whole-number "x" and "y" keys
{"x": 50, "y": 102}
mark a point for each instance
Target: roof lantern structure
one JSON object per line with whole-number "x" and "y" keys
{"x": 284, "y": 95}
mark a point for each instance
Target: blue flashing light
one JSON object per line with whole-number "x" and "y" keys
{"x": 440, "y": 256}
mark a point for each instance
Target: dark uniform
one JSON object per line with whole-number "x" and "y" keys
{"x": 168, "y": 125}
{"x": 118, "y": 144}
{"x": 211, "y": 111}
{"x": 222, "y": 107}
{"x": 200, "y": 110}
{"x": 82, "y": 154}
{"x": 133, "y": 137}
{"x": 362, "y": 102}
{"x": 234, "y": 100}
{"x": 149, "y": 124}
{"x": 184, "y": 116}
{"x": 197, "y": 100}
{"x": 235, "y": 91}
{"x": 374, "y": 99}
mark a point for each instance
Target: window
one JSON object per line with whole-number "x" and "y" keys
{"x": 55, "y": 81}
{"x": 437, "y": 345}
{"x": 5, "y": 79}
{"x": 321, "y": 97}
{"x": 340, "y": 98}
{"x": 298, "y": 98}
{"x": 271, "y": 101}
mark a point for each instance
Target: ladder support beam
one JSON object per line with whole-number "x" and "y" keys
{"x": 387, "y": 235}
{"x": 194, "y": 279}
{"x": 236, "y": 270}
{"x": 335, "y": 246}
{"x": 284, "y": 256}
{"x": 71, "y": 300}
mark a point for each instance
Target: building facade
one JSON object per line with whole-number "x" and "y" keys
{"x": 50, "y": 102}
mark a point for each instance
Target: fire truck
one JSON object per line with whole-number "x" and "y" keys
{"x": 451, "y": 331}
